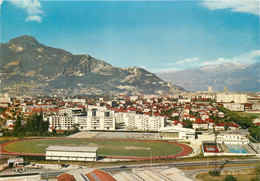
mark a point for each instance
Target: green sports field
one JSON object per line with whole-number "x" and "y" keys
{"x": 105, "y": 147}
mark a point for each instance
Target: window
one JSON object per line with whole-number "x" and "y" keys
{"x": 107, "y": 114}
{"x": 94, "y": 112}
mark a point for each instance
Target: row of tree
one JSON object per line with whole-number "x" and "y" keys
{"x": 35, "y": 126}
{"x": 244, "y": 122}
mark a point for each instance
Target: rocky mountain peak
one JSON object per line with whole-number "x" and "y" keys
{"x": 28, "y": 65}
{"x": 23, "y": 42}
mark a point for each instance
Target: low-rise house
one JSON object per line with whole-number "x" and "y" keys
{"x": 192, "y": 118}
{"x": 221, "y": 114}
{"x": 220, "y": 126}
{"x": 204, "y": 116}
{"x": 200, "y": 124}
{"x": 233, "y": 126}
{"x": 175, "y": 113}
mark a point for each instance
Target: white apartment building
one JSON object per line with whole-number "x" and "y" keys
{"x": 76, "y": 100}
{"x": 72, "y": 112}
{"x": 93, "y": 119}
{"x": 141, "y": 121}
{"x": 146, "y": 122}
{"x": 232, "y": 97}
{"x": 234, "y": 106}
{"x": 184, "y": 100}
{"x": 5, "y": 98}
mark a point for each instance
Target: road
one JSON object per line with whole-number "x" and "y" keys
{"x": 170, "y": 165}
{"x": 181, "y": 114}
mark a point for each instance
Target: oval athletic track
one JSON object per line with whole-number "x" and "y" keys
{"x": 186, "y": 150}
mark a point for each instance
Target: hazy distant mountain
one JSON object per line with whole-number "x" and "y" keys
{"x": 237, "y": 77}
{"x": 28, "y": 66}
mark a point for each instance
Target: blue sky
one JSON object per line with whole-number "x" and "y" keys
{"x": 158, "y": 36}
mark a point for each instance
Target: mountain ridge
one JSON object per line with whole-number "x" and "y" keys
{"x": 29, "y": 65}
{"x": 237, "y": 77}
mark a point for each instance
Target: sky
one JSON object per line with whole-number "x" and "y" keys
{"x": 159, "y": 36}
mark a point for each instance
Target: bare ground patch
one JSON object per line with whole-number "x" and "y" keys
{"x": 136, "y": 148}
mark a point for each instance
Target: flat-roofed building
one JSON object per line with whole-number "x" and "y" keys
{"x": 234, "y": 106}
{"x": 69, "y": 153}
{"x": 235, "y": 139}
{"x": 15, "y": 162}
{"x": 232, "y": 97}
{"x": 177, "y": 133}
{"x": 93, "y": 119}
{"x": 141, "y": 121}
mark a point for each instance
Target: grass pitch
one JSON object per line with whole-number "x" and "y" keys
{"x": 105, "y": 147}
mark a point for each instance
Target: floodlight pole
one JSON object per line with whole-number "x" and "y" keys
{"x": 151, "y": 160}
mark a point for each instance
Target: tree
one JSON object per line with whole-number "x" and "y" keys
{"x": 18, "y": 125}
{"x": 257, "y": 171}
{"x": 255, "y": 179}
{"x": 226, "y": 127}
{"x": 230, "y": 178}
{"x": 36, "y": 125}
{"x": 189, "y": 124}
{"x": 75, "y": 128}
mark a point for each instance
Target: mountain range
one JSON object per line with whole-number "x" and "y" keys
{"x": 236, "y": 77}
{"x": 30, "y": 67}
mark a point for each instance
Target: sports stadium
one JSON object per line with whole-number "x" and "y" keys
{"x": 107, "y": 148}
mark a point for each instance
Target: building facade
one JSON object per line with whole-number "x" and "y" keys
{"x": 71, "y": 153}
{"x": 232, "y": 97}
{"x": 176, "y": 132}
{"x": 92, "y": 119}
{"x": 141, "y": 121}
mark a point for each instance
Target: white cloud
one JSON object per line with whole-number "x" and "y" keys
{"x": 32, "y": 7}
{"x": 187, "y": 60}
{"x": 178, "y": 65}
{"x": 241, "y": 6}
{"x": 34, "y": 18}
{"x": 195, "y": 62}
{"x": 246, "y": 58}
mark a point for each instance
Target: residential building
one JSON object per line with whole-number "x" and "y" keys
{"x": 234, "y": 106}
{"x": 232, "y": 97}
{"x": 200, "y": 124}
{"x": 93, "y": 119}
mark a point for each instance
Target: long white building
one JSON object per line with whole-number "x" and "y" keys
{"x": 235, "y": 139}
{"x": 71, "y": 153}
{"x": 141, "y": 121}
{"x": 234, "y": 106}
{"x": 176, "y": 132}
{"x": 93, "y": 119}
{"x": 231, "y": 97}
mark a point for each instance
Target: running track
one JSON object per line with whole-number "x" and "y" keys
{"x": 186, "y": 150}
